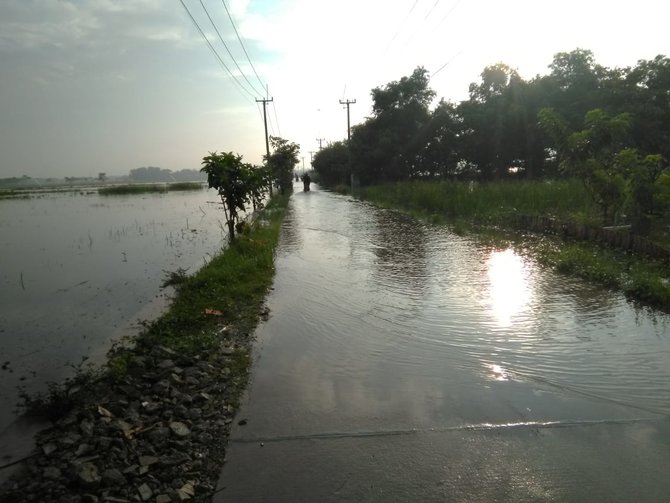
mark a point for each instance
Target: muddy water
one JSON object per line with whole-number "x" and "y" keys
{"x": 403, "y": 362}
{"x": 79, "y": 271}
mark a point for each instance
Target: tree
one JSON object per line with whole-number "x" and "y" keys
{"x": 332, "y": 164}
{"x": 599, "y": 155}
{"x": 648, "y": 100}
{"x": 282, "y": 161}
{"x": 498, "y": 127}
{"x": 236, "y": 182}
{"x": 440, "y": 139}
{"x": 387, "y": 146}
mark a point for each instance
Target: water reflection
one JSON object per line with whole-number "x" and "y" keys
{"x": 379, "y": 318}
{"x": 399, "y": 245}
{"x": 510, "y": 291}
{"x": 497, "y": 373}
{"x": 79, "y": 271}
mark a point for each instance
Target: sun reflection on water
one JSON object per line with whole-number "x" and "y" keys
{"x": 509, "y": 292}
{"x": 497, "y": 373}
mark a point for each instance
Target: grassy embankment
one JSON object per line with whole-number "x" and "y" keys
{"x": 149, "y": 188}
{"x": 227, "y": 292}
{"x": 488, "y": 210}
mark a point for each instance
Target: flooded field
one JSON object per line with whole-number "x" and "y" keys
{"x": 403, "y": 362}
{"x": 78, "y": 271}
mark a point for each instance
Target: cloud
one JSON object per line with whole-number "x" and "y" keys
{"x": 33, "y": 24}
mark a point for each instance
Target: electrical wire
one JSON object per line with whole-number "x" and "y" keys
{"x": 447, "y": 15}
{"x": 227, "y": 49}
{"x": 431, "y": 9}
{"x": 401, "y": 25}
{"x": 272, "y": 127}
{"x": 446, "y": 64}
{"x": 240, "y": 40}
{"x": 274, "y": 109}
{"x": 216, "y": 54}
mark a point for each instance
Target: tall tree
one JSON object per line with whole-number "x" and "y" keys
{"x": 387, "y": 145}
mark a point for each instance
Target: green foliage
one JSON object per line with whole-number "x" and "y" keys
{"x": 282, "y": 161}
{"x": 238, "y": 184}
{"x": 588, "y": 110}
{"x": 639, "y": 278}
{"x": 386, "y": 147}
{"x": 332, "y": 164}
{"x": 617, "y": 178}
{"x": 175, "y": 278}
{"x": 486, "y": 203}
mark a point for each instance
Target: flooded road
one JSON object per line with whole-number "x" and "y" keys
{"x": 402, "y": 362}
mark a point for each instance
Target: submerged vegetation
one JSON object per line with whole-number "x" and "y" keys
{"x": 149, "y": 188}
{"x": 229, "y": 290}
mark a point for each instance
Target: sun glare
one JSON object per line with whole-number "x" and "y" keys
{"x": 509, "y": 291}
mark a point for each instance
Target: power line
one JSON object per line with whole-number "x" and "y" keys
{"x": 274, "y": 109}
{"x": 272, "y": 127}
{"x": 453, "y": 8}
{"x": 421, "y": 27}
{"x": 216, "y": 54}
{"x": 240, "y": 40}
{"x": 445, "y": 65}
{"x": 431, "y": 9}
{"x": 227, "y": 49}
{"x": 401, "y": 25}
{"x": 258, "y": 107}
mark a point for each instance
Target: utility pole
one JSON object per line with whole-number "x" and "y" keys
{"x": 320, "y": 140}
{"x": 348, "y": 102}
{"x": 265, "y": 121}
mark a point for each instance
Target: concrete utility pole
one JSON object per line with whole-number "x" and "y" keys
{"x": 348, "y": 102}
{"x": 320, "y": 140}
{"x": 265, "y": 121}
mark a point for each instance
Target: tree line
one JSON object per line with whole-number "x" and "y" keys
{"x": 608, "y": 126}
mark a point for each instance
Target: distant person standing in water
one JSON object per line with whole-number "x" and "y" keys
{"x": 306, "y": 180}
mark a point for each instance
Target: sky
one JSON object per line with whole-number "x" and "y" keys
{"x": 90, "y": 86}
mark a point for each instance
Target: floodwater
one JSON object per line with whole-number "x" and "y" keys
{"x": 402, "y": 362}
{"x": 79, "y": 271}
